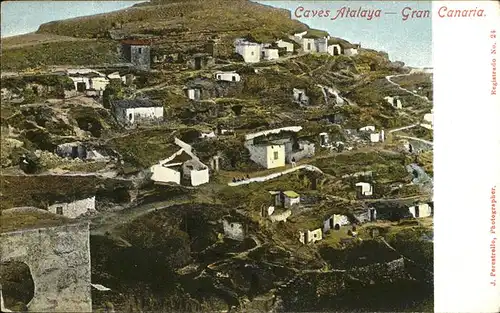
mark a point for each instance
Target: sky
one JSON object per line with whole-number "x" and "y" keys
{"x": 409, "y": 41}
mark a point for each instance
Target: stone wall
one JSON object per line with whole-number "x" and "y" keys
{"x": 59, "y": 261}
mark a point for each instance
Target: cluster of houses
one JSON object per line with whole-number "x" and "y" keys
{"x": 93, "y": 83}
{"x": 336, "y": 221}
{"x": 182, "y": 167}
{"x": 253, "y": 52}
{"x": 277, "y": 147}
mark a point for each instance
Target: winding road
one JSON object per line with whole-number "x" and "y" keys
{"x": 388, "y": 78}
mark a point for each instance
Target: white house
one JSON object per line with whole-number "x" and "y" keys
{"x": 132, "y": 111}
{"x": 308, "y": 45}
{"x": 270, "y": 54}
{"x": 350, "y": 51}
{"x": 394, "y": 102}
{"x": 233, "y": 230}
{"x": 285, "y": 44}
{"x": 334, "y": 49}
{"x": 193, "y": 93}
{"x": 429, "y": 118}
{"x": 227, "y": 76}
{"x": 420, "y": 210}
{"x": 286, "y": 199}
{"x": 364, "y": 189}
{"x": 307, "y": 236}
{"x": 272, "y": 153}
{"x": 291, "y": 199}
{"x": 85, "y": 79}
{"x": 181, "y": 165}
{"x": 335, "y": 221}
{"x": 367, "y": 129}
{"x": 324, "y": 140}
{"x": 377, "y": 137}
{"x": 250, "y": 51}
{"x": 299, "y": 96}
{"x": 73, "y": 209}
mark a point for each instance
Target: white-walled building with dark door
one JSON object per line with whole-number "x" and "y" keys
{"x": 227, "y": 76}
{"x": 73, "y": 209}
{"x": 136, "y": 111}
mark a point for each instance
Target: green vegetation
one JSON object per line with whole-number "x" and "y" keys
{"x": 57, "y": 53}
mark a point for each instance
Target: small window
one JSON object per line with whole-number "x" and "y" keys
{"x": 252, "y": 52}
{"x": 140, "y": 50}
{"x": 130, "y": 116}
{"x": 59, "y": 210}
{"x": 315, "y": 235}
{"x": 276, "y": 155}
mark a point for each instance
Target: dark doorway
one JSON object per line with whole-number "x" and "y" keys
{"x": 323, "y": 140}
{"x": 337, "y": 226}
{"x": 197, "y": 63}
{"x": 59, "y": 210}
{"x": 35, "y": 90}
{"x": 233, "y": 78}
{"x": 282, "y": 198}
{"x": 80, "y": 87}
{"x": 372, "y": 214}
{"x": 17, "y": 285}
{"x": 417, "y": 211}
{"x": 130, "y": 116}
{"x": 330, "y": 222}
{"x": 300, "y": 96}
{"x": 335, "y": 51}
{"x": 411, "y": 148}
{"x": 309, "y": 46}
{"x": 74, "y": 152}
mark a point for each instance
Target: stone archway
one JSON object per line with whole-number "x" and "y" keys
{"x": 17, "y": 287}
{"x": 59, "y": 262}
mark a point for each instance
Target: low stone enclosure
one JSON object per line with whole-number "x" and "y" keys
{"x": 59, "y": 261}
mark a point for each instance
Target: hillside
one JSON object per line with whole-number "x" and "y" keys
{"x": 165, "y": 246}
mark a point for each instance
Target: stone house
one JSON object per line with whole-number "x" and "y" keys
{"x": 79, "y": 150}
{"x": 137, "y": 111}
{"x": 364, "y": 190}
{"x": 183, "y": 165}
{"x": 276, "y": 147}
{"x": 370, "y": 215}
{"x": 334, "y": 221}
{"x": 137, "y": 52}
{"x": 300, "y": 97}
{"x": 200, "y": 61}
{"x": 227, "y": 76}
{"x": 288, "y": 46}
{"x": 73, "y": 209}
{"x": 286, "y": 199}
{"x": 421, "y": 210}
{"x": 395, "y": 102}
{"x": 233, "y": 230}
{"x": 307, "y": 236}
{"x": 250, "y": 51}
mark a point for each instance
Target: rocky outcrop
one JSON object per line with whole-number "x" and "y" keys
{"x": 59, "y": 262}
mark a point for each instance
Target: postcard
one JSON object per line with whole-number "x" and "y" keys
{"x": 249, "y": 156}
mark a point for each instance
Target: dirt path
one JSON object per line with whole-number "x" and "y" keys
{"x": 388, "y": 78}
